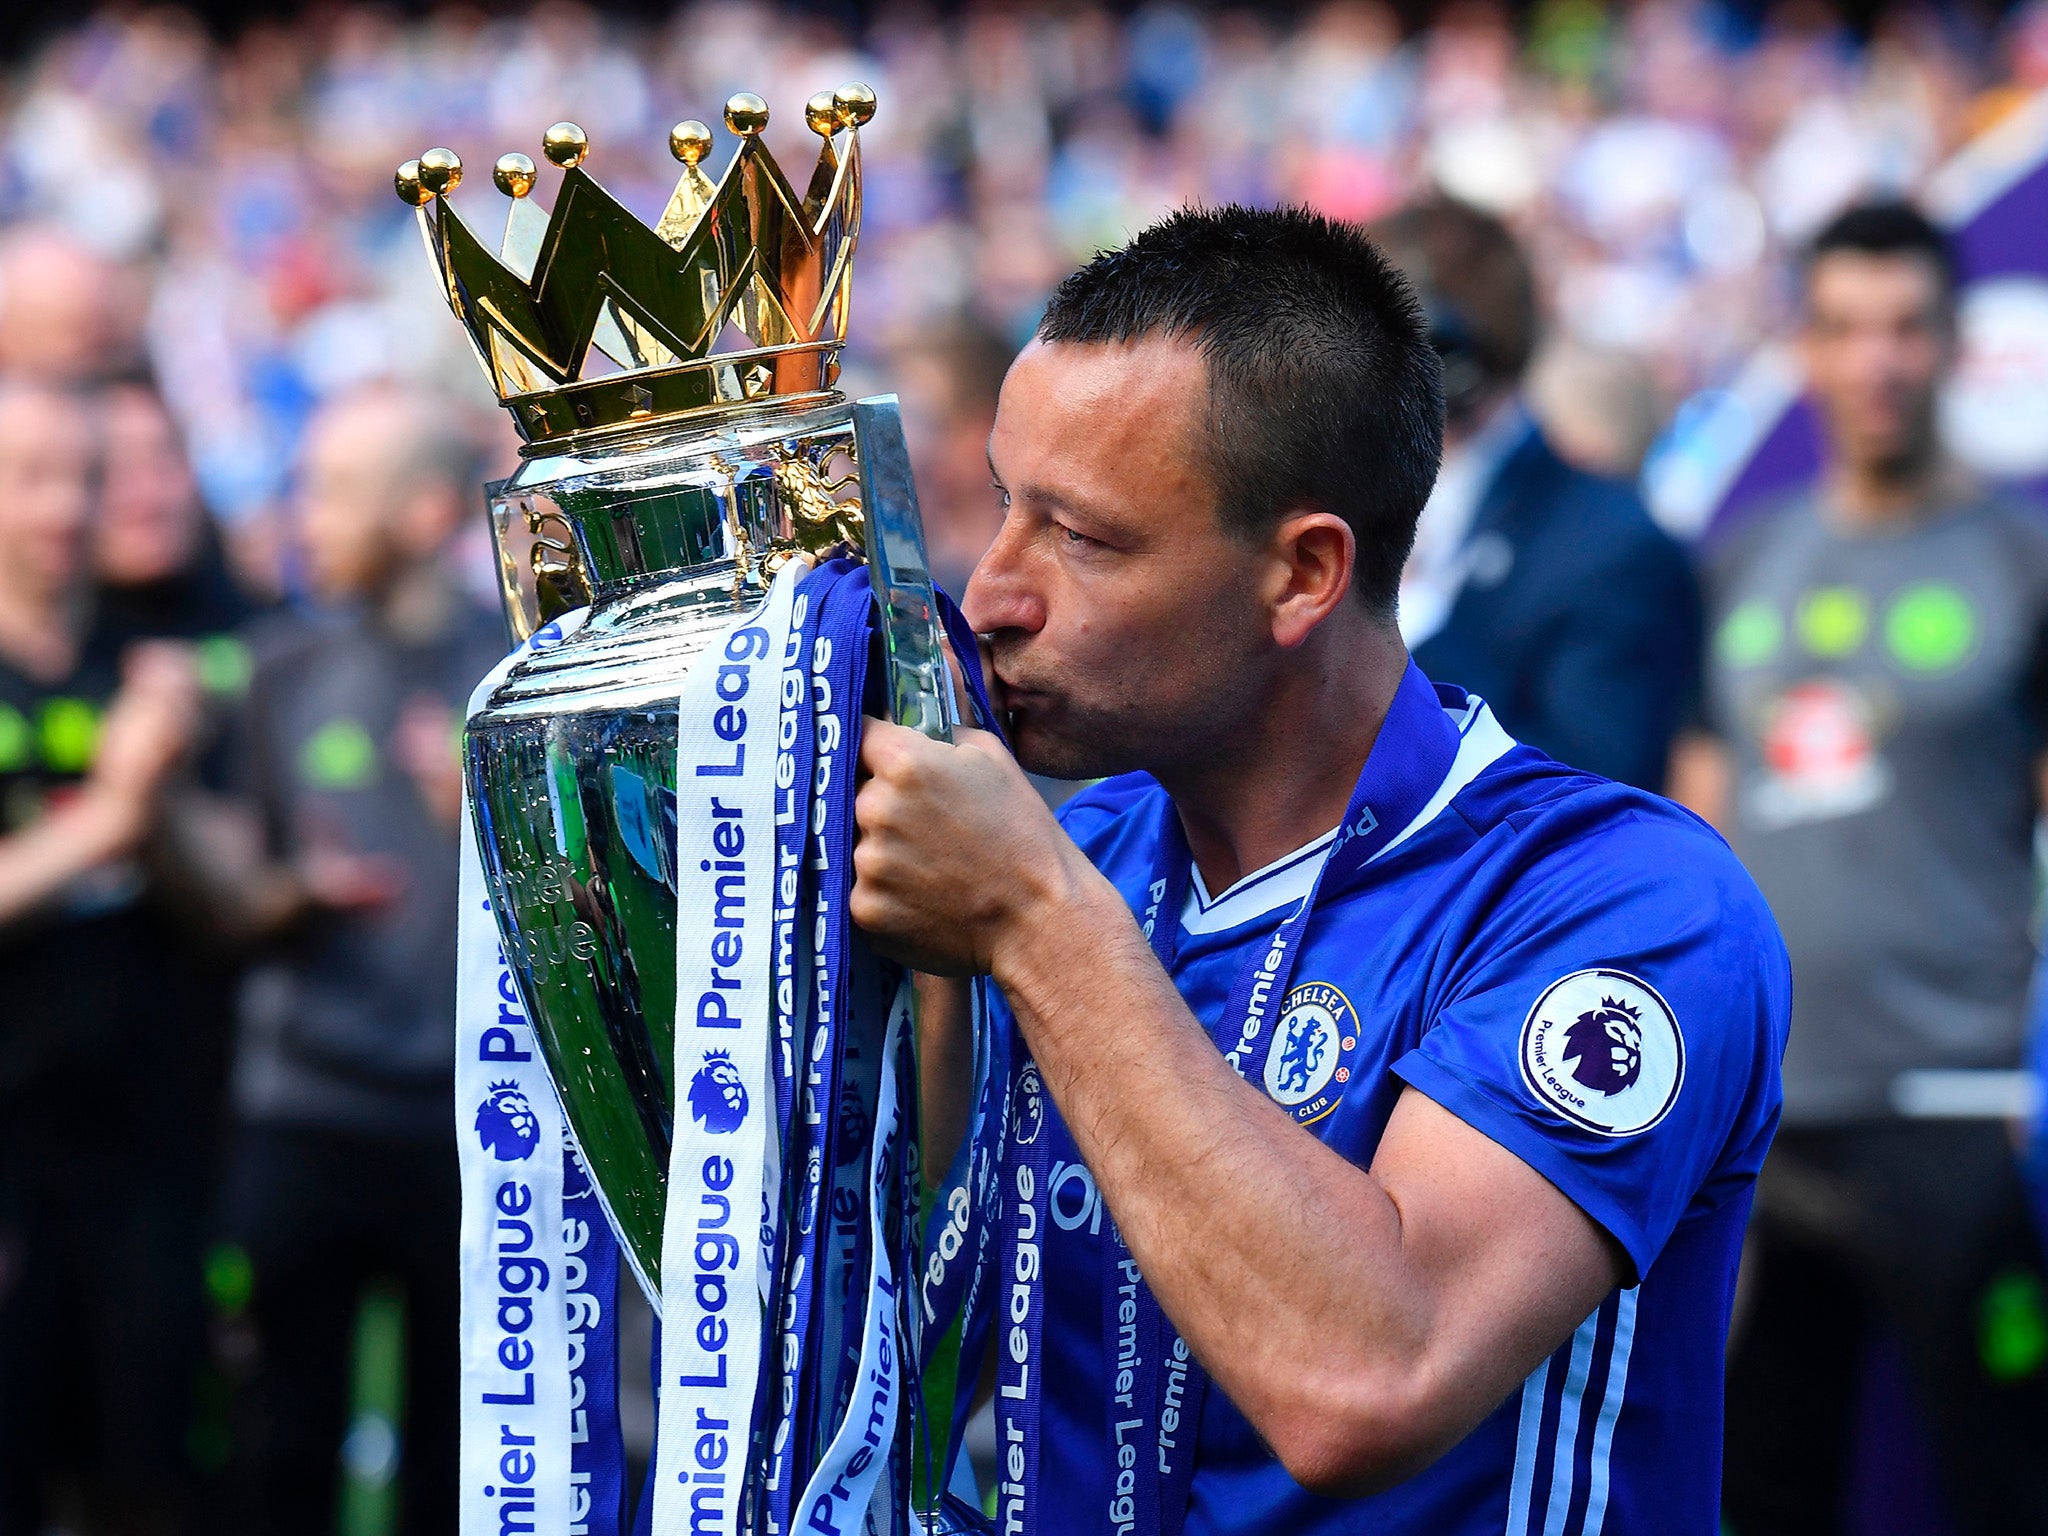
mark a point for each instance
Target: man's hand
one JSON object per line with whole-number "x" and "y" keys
{"x": 143, "y": 736}
{"x": 146, "y": 732}
{"x": 149, "y": 725}
{"x": 956, "y": 849}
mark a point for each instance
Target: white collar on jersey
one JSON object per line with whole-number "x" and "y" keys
{"x": 1288, "y": 879}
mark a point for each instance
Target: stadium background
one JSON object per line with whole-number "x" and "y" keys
{"x": 1659, "y": 160}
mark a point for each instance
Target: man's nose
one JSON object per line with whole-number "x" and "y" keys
{"x": 999, "y": 594}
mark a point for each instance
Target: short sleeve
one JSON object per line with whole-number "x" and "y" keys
{"x": 1617, "y": 1024}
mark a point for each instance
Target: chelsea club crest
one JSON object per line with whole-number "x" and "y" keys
{"x": 1602, "y": 1048}
{"x": 1305, "y": 1070}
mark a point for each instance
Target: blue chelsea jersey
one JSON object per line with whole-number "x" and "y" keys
{"x": 1578, "y": 970}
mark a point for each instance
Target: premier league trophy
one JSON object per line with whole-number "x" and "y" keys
{"x": 702, "y": 547}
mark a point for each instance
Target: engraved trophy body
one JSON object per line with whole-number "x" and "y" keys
{"x": 572, "y": 766}
{"x": 683, "y": 442}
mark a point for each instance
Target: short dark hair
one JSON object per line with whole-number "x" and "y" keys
{"x": 1886, "y": 228}
{"x": 1324, "y": 391}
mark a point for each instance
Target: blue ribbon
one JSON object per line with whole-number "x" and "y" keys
{"x": 793, "y": 1258}
{"x": 597, "y": 1451}
{"x": 847, "y": 1084}
{"x": 957, "y": 1285}
{"x": 827, "y": 1086}
{"x": 1410, "y": 757}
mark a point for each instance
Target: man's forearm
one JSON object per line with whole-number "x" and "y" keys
{"x": 38, "y": 862}
{"x": 1279, "y": 1262}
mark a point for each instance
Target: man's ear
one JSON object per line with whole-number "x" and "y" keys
{"x": 1314, "y": 557}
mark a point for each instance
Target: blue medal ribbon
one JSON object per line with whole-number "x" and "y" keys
{"x": 1019, "y": 1299}
{"x": 844, "y": 1216}
{"x": 807, "y": 1307}
{"x": 843, "y": 1074}
{"x": 958, "y": 1242}
{"x": 590, "y": 1287}
{"x": 1410, "y": 757}
{"x": 794, "y": 1256}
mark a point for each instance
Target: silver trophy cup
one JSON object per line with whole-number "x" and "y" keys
{"x": 572, "y": 759}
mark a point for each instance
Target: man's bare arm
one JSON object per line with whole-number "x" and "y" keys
{"x": 1363, "y": 1320}
{"x": 40, "y": 861}
{"x": 146, "y": 730}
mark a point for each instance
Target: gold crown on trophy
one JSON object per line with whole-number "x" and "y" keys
{"x": 586, "y": 319}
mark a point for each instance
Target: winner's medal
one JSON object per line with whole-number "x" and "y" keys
{"x": 676, "y": 1056}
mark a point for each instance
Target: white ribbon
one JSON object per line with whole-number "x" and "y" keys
{"x": 712, "y": 1247}
{"x": 515, "y": 1415}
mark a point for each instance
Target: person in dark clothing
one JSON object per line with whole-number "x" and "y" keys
{"x": 1876, "y": 714}
{"x": 343, "y": 1165}
{"x": 156, "y": 555}
{"x": 1546, "y": 590}
{"x": 160, "y": 575}
{"x": 100, "y": 1173}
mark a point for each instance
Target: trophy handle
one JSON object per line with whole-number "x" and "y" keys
{"x": 540, "y": 573}
{"x": 920, "y": 688}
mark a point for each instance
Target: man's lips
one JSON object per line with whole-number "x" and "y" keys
{"x": 1016, "y": 693}
{"x": 1015, "y": 696}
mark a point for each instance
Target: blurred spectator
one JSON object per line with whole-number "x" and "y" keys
{"x": 343, "y": 1169}
{"x": 161, "y": 576}
{"x": 1878, "y": 699}
{"x": 1543, "y": 588}
{"x": 156, "y": 552}
{"x": 1597, "y": 407}
{"x": 949, "y": 382}
{"x": 68, "y": 315}
{"x": 100, "y": 1193}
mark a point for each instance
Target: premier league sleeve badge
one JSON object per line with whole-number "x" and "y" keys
{"x": 1602, "y": 1049}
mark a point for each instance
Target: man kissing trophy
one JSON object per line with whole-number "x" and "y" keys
{"x": 673, "y": 1048}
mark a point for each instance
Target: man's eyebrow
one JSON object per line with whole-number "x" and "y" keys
{"x": 1103, "y": 515}
{"x": 1106, "y": 518}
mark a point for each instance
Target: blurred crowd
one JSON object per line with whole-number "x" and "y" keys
{"x": 1659, "y": 160}
{"x": 235, "y": 415}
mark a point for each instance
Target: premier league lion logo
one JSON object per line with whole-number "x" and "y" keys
{"x": 1602, "y": 1048}
{"x": 856, "y": 1128}
{"x": 807, "y": 1197}
{"x": 1607, "y": 1044}
{"x": 506, "y": 1124}
{"x": 718, "y": 1097}
{"x": 1028, "y": 1117}
{"x": 576, "y": 1183}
